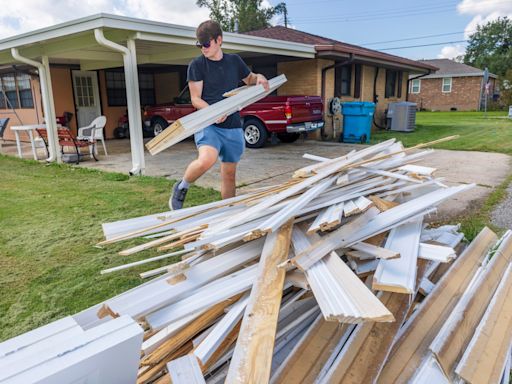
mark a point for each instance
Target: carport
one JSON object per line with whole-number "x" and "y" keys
{"x": 106, "y": 41}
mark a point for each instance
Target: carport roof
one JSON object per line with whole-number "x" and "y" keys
{"x": 73, "y": 42}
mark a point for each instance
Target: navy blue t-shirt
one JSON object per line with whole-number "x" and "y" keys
{"x": 218, "y": 77}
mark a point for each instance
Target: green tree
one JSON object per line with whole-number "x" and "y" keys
{"x": 249, "y": 14}
{"x": 506, "y": 89}
{"x": 491, "y": 46}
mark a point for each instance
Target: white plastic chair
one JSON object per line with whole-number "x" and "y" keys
{"x": 94, "y": 131}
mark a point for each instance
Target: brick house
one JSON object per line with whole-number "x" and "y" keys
{"x": 454, "y": 86}
{"x": 347, "y": 71}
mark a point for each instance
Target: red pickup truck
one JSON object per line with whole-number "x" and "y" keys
{"x": 285, "y": 116}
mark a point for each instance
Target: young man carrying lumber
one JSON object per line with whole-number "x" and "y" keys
{"x": 209, "y": 76}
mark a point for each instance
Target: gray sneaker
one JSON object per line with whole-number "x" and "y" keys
{"x": 177, "y": 197}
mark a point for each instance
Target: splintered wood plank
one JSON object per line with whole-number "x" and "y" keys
{"x": 252, "y": 358}
{"x": 156, "y": 370}
{"x": 223, "y": 348}
{"x": 458, "y": 332}
{"x": 192, "y": 329}
{"x": 370, "y": 343}
{"x": 486, "y": 355}
{"x": 381, "y": 204}
{"x": 311, "y": 353}
{"x": 375, "y": 251}
{"x": 426, "y": 322}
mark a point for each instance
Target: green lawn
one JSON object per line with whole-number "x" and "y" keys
{"x": 51, "y": 218}
{"x": 477, "y": 133}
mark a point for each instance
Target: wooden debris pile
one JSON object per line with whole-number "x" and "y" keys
{"x": 332, "y": 276}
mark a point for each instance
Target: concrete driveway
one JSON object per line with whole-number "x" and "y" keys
{"x": 275, "y": 163}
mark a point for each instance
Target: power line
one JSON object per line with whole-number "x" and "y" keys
{"x": 369, "y": 18}
{"x": 308, "y": 2}
{"x": 423, "y": 45}
{"x": 382, "y": 12}
{"x": 413, "y": 38}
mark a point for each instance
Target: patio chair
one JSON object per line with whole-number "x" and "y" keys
{"x": 42, "y": 140}
{"x": 67, "y": 139}
{"x": 94, "y": 131}
{"x": 3, "y": 127}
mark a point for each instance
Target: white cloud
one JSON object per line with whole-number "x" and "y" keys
{"x": 484, "y": 7}
{"x": 451, "y": 51}
{"x": 482, "y": 11}
{"x": 28, "y": 15}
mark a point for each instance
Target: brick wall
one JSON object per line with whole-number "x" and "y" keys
{"x": 305, "y": 78}
{"x": 465, "y": 94}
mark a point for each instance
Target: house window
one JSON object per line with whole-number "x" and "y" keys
{"x": 415, "y": 86}
{"x": 447, "y": 84}
{"x": 25, "y": 91}
{"x": 391, "y": 83}
{"x": 342, "y": 80}
{"x": 16, "y": 91}
{"x": 116, "y": 88}
{"x": 147, "y": 89}
{"x": 357, "y": 81}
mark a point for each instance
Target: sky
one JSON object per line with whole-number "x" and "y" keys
{"x": 409, "y": 28}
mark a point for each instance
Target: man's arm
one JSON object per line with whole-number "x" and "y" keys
{"x": 196, "y": 90}
{"x": 255, "y": 79}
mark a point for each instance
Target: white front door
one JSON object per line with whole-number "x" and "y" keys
{"x": 87, "y": 97}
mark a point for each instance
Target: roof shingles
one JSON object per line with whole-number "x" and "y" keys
{"x": 453, "y": 68}
{"x": 323, "y": 44}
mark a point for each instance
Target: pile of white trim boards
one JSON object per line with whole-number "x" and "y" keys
{"x": 331, "y": 277}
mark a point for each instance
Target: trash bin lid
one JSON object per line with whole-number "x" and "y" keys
{"x": 362, "y": 108}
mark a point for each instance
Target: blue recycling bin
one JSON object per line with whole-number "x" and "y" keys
{"x": 357, "y": 121}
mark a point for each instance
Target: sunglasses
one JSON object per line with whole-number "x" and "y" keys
{"x": 203, "y": 45}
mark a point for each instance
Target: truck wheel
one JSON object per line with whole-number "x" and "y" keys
{"x": 288, "y": 137}
{"x": 158, "y": 126}
{"x": 255, "y": 134}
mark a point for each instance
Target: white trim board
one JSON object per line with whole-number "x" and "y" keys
{"x": 399, "y": 275}
{"x": 150, "y": 297}
{"x": 341, "y": 295}
{"x": 107, "y": 353}
{"x": 185, "y": 370}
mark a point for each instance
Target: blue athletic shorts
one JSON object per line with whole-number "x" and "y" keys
{"x": 229, "y": 143}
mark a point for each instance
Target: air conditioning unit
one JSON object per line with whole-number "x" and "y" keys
{"x": 401, "y": 116}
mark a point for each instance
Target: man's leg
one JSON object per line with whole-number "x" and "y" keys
{"x": 228, "y": 179}
{"x": 206, "y": 158}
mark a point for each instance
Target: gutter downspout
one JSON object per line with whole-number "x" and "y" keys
{"x": 132, "y": 97}
{"x": 48, "y": 105}
{"x": 414, "y": 78}
{"x": 324, "y": 71}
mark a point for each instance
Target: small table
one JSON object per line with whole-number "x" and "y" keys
{"x": 30, "y": 130}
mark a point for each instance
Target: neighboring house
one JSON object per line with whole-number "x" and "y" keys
{"x": 454, "y": 87}
{"x": 347, "y": 71}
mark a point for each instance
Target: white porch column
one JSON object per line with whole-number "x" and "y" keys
{"x": 51, "y": 118}
{"x": 48, "y": 104}
{"x": 132, "y": 98}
